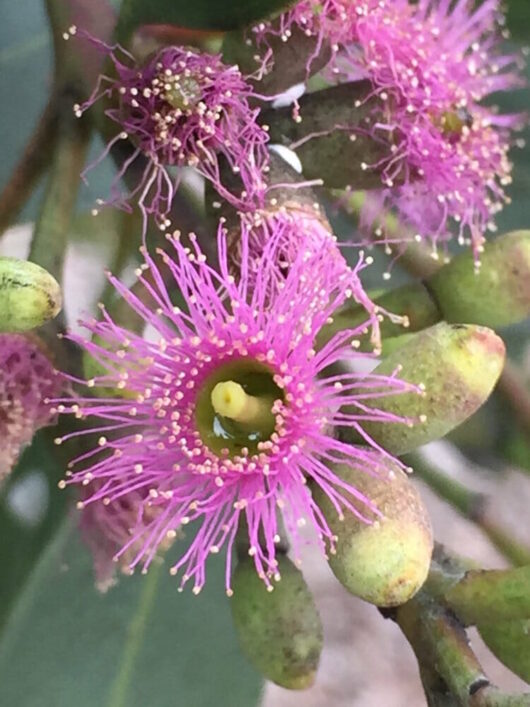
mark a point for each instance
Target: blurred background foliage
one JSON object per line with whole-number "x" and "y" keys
{"x": 141, "y": 644}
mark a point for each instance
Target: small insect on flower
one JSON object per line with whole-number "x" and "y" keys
{"x": 27, "y": 380}
{"x": 181, "y": 108}
{"x": 229, "y": 410}
{"x": 430, "y": 65}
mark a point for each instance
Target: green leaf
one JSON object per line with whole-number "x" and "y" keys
{"x": 519, "y": 18}
{"x": 194, "y": 14}
{"x": 140, "y": 644}
{"x": 23, "y": 542}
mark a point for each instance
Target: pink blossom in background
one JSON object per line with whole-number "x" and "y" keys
{"x": 290, "y": 228}
{"x": 431, "y": 65}
{"x": 164, "y": 442}
{"x": 106, "y": 527}
{"x": 27, "y": 380}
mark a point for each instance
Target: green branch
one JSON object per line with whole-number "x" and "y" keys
{"x": 31, "y": 165}
{"x": 446, "y": 661}
{"x": 450, "y": 672}
{"x": 51, "y": 232}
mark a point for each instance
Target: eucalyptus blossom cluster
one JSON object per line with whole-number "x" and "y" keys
{"x": 260, "y": 403}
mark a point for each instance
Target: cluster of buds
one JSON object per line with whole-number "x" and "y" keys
{"x": 251, "y": 403}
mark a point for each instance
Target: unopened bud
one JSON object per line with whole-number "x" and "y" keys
{"x": 410, "y": 308}
{"x": 497, "y": 294}
{"x": 29, "y": 295}
{"x": 509, "y": 641}
{"x": 294, "y": 60}
{"x": 385, "y": 562}
{"x": 327, "y": 153}
{"x": 279, "y": 631}
{"x": 456, "y": 367}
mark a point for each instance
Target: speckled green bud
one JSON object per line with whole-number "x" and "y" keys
{"x": 93, "y": 369}
{"x": 496, "y": 294}
{"x": 386, "y": 562}
{"x": 510, "y": 642}
{"x": 290, "y": 58}
{"x": 29, "y": 295}
{"x": 279, "y": 631}
{"x": 412, "y": 308}
{"x": 338, "y": 157}
{"x": 456, "y": 365}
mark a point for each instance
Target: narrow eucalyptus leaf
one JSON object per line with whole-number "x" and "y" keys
{"x": 199, "y": 14}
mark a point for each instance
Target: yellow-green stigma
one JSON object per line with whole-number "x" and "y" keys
{"x": 234, "y": 407}
{"x": 181, "y": 92}
{"x": 453, "y": 122}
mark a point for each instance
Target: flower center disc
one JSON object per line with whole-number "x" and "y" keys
{"x": 181, "y": 92}
{"x": 255, "y": 423}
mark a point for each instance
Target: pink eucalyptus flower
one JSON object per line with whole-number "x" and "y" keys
{"x": 181, "y": 108}
{"x": 27, "y": 380}
{"x": 235, "y": 340}
{"x": 290, "y": 228}
{"x": 431, "y": 65}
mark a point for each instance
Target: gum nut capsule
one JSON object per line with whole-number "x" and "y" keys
{"x": 279, "y": 631}
{"x": 386, "y": 562}
{"x": 29, "y": 295}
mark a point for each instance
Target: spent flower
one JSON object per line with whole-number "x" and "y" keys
{"x": 229, "y": 409}
{"x": 181, "y": 108}
{"x": 27, "y": 380}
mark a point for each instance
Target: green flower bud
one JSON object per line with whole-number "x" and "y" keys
{"x": 386, "y": 562}
{"x": 290, "y": 58}
{"x": 325, "y": 153}
{"x": 29, "y": 295}
{"x": 393, "y": 343}
{"x": 456, "y": 365}
{"x": 411, "y": 306}
{"x": 279, "y": 631}
{"x": 497, "y": 294}
{"x": 491, "y": 595}
{"x": 509, "y": 641}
